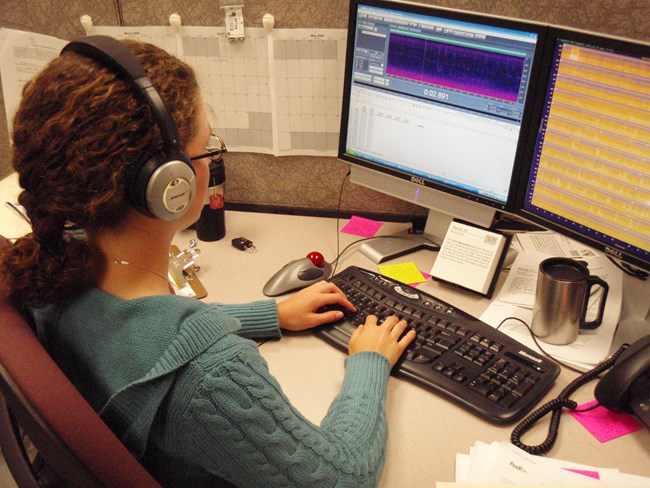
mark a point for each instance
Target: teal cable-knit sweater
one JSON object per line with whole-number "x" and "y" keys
{"x": 184, "y": 387}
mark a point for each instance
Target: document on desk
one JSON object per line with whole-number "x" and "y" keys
{"x": 277, "y": 93}
{"x": 554, "y": 244}
{"x": 521, "y": 282}
{"x": 502, "y": 463}
{"x": 517, "y": 297}
{"x": 22, "y": 55}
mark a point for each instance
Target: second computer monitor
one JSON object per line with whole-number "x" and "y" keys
{"x": 590, "y": 160}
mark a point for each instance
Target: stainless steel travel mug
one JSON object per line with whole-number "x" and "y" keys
{"x": 562, "y": 298}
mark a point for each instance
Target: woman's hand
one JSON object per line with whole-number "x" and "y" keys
{"x": 383, "y": 338}
{"x": 300, "y": 311}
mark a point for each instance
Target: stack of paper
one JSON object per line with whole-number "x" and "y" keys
{"x": 503, "y": 463}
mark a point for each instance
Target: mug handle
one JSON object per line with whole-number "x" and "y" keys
{"x": 591, "y": 282}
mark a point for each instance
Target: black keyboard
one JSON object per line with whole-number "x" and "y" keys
{"x": 454, "y": 354}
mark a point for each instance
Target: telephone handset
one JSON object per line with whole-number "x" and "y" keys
{"x": 626, "y": 387}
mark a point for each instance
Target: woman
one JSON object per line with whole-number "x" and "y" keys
{"x": 178, "y": 380}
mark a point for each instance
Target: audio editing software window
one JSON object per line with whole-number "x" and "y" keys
{"x": 439, "y": 98}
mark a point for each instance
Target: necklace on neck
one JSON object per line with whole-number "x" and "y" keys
{"x": 122, "y": 261}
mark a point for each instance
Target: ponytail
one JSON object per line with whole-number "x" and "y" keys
{"x": 38, "y": 270}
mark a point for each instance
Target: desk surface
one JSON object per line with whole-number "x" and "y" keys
{"x": 425, "y": 430}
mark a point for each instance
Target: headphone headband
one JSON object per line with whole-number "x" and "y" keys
{"x": 115, "y": 55}
{"x": 164, "y": 185}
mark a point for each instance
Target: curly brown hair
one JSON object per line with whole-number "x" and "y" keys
{"x": 78, "y": 130}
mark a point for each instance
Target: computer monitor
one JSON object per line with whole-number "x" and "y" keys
{"x": 589, "y": 175}
{"x": 435, "y": 106}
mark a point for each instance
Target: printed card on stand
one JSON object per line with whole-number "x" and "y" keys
{"x": 470, "y": 257}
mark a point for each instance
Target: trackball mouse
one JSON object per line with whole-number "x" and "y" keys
{"x": 298, "y": 274}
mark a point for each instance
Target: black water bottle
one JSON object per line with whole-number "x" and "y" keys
{"x": 211, "y": 226}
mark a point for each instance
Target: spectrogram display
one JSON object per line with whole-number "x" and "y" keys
{"x": 455, "y": 66}
{"x": 593, "y": 161}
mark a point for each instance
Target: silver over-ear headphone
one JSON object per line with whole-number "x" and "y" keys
{"x": 163, "y": 185}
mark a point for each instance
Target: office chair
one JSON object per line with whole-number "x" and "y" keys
{"x": 75, "y": 447}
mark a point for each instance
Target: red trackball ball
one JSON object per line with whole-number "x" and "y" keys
{"x": 316, "y": 258}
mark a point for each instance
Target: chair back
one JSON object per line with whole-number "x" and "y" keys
{"x": 38, "y": 401}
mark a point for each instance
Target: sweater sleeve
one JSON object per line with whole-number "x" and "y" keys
{"x": 237, "y": 424}
{"x": 259, "y": 320}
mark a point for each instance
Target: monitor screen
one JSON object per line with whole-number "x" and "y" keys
{"x": 437, "y": 98}
{"x": 590, "y": 162}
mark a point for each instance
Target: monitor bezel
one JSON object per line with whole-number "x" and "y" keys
{"x": 620, "y": 44}
{"x": 458, "y": 15}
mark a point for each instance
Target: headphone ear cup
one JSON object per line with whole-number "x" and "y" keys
{"x": 163, "y": 189}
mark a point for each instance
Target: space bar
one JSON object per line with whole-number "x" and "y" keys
{"x": 346, "y": 328}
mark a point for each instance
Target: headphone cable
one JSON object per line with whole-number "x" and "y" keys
{"x": 338, "y": 218}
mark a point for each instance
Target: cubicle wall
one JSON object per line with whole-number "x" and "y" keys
{"x": 303, "y": 184}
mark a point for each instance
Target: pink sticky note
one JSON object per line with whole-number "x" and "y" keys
{"x": 604, "y": 424}
{"x": 362, "y": 227}
{"x": 585, "y": 472}
{"x": 425, "y": 275}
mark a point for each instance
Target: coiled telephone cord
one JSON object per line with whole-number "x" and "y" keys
{"x": 555, "y": 407}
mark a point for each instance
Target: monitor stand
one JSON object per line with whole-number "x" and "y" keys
{"x": 445, "y": 204}
{"x": 385, "y": 248}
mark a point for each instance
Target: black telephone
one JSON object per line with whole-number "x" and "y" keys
{"x": 626, "y": 387}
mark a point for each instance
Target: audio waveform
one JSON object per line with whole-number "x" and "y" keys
{"x": 461, "y": 68}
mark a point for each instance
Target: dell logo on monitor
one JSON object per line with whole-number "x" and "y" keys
{"x": 613, "y": 252}
{"x": 418, "y": 180}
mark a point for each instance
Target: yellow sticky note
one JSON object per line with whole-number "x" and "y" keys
{"x": 404, "y": 272}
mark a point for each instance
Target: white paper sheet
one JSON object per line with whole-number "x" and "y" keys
{"x": 22, "y": 55}
{"x": 521, "y": 282}
{"x": 501, "y": 463}
{"x": 553, "y": 244}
